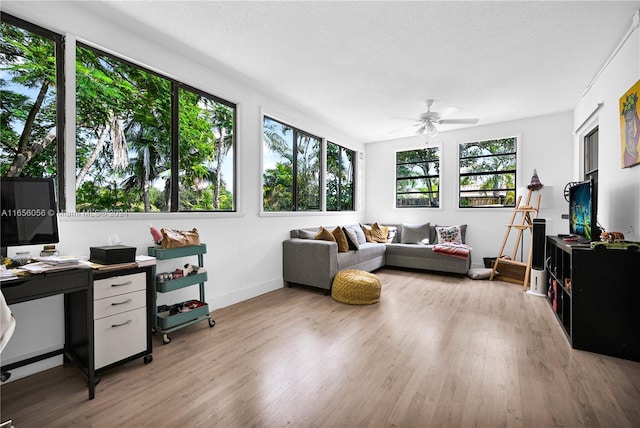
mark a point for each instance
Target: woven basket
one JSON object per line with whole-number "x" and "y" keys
{"x": 356, "y": 287}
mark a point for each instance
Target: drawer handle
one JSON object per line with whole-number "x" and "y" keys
{"x": 120, "y": 285}
{"x": 121, "y": 324}
{"x": 122, "y": 303}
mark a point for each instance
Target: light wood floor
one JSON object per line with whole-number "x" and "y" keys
{"x": 436, "y": 351}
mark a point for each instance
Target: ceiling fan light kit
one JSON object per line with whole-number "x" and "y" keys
{"x": 427, "y": 121}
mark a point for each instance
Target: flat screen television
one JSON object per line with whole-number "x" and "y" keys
{"x": 29, "y": 212}
{"x": 582, "y": 211}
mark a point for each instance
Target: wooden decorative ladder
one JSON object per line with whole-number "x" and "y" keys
{"x": 512, "y": 270}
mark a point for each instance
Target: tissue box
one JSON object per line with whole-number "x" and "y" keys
{"x": 112, "y": 254}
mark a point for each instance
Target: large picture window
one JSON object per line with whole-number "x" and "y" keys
{"x": 32, "y": 93}
{"x": 488, "y": 173}
{"x": 147, "y": 143}
{"x": 418, "y": 178}
{"x": 340, "y": 178}
{"x": 291, "y": 168}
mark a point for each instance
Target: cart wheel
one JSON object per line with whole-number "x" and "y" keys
{"x": 148, "y": 358}
{"x": 212, "y": 322}
{"x": 166, "y": 339}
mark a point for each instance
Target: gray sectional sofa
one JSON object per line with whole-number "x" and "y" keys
{"x": 315, "y": 263}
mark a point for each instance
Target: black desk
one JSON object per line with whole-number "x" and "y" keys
{"x": 77, "y": 287}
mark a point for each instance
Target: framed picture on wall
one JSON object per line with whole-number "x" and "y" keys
{"x": 630, "y": 126}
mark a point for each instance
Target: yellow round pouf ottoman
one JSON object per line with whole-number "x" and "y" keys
{"x": 356, "y": 287}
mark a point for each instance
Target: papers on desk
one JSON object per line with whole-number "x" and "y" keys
{"x": 58, "y": 261}
{"x": 6, "y": 274}
{"x": 40, "y": 267}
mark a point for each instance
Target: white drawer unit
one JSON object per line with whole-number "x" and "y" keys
{"x": 119, "y": 284}
{"x": 118, "y": 304}
{"x": 119, "y": 336}
{"x": 121, "y": 313}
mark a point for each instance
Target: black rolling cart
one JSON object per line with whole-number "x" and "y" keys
{"x": 168, "y": 319}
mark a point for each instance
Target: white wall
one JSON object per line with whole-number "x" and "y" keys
{"x": 245, "y": 248}
{"x": 545, "y": 144}
{"x": 618, "y": 188}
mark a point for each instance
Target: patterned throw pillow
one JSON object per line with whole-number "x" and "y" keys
{"x": 449, "y": 234}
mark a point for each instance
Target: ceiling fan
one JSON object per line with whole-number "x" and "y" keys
{"x": 428, "y": 120}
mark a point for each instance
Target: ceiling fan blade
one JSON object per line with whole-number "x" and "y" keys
{"x": 403, "y": 128}
{"x": 458, "y": 121}
{"x": 413, "y": 119}
{"x": 449, "y": 111}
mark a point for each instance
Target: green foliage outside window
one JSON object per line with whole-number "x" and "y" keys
{"x": 488, "y": 173}
{"x": 290, "y": 183}
{"x": 28, "y": 92}
{"x": 124, "y": 130}
{"x": 340, "y": 177}
{"x": 418, "y": 178}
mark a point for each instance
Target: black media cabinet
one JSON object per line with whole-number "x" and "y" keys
{"x": 595, "y": 295}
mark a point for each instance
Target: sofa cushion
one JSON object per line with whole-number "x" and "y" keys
{"x": 341, "y": 239}
{"x": 352, "y": 238}
{"x": 306, "y": 234}
{"x": 368, "y": 251}
{"x": 415, "y": 233}
{"x": 324, "y": 235}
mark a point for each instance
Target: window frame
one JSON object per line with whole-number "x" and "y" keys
{"x": 438, "y": 176}
{"x": 513, "y": 171}
{"x": 591, "y": 154}
{"x": 59, "y": 42}
{"x": 294, "y": 150}
{"x": 176, "y": 86}
{"x": 341, "y": 149}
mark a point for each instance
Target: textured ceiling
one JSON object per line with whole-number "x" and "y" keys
{"x": 360, "y": 65}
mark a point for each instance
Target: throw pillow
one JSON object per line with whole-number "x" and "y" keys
{"x": 415, "y": 233}
{"x": 463, "y": 233}
{"x": 352, "y": 238}
{"x": 449, "y": 234}
{"x": 341, "y": 240}
{"x": 367, "y": 233}
{"x": 359, "y": 233}
{"x": 379, "y": 233}
{"x": 393, "y": 231}
{"x": 479, "y": 273}
{"x": 324, "y": 235}
{"x": 306, "y": 234}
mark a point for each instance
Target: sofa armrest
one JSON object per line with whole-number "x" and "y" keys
{"x": 309, "y": 262}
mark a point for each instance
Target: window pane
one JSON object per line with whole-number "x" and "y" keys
{"x": 488, "y": 173}
{"x": 418, "y": 178}
{"x": 28, "y": 108}
{"x": 277, "y": 166}
{"x": 340, "y": 172}
{"x": 347, "y": 172}
{"x": 123, "y": 135}
{"x": 307, "y": 172}
{"x": 205, "y": 153}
